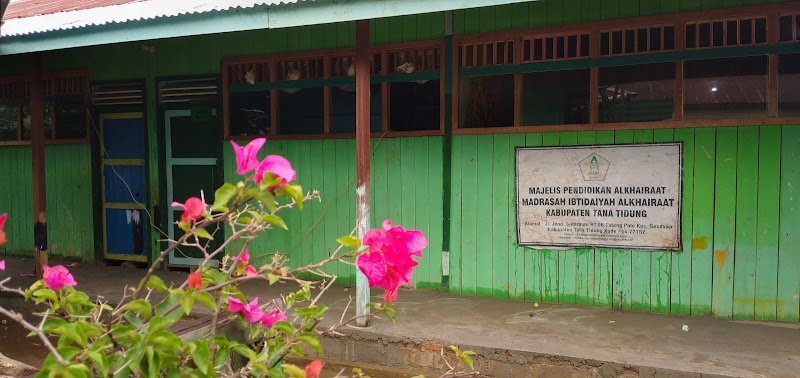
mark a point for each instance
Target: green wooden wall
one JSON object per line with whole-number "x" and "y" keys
{"x": 740, "y": 214}
{"x": 69, "y": 200}
{"x": 406, "y": 188}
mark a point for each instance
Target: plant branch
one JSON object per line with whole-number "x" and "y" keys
{"x": 30, "y": 327}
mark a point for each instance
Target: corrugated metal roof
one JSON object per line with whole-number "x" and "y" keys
{"x": 103, "y": 12}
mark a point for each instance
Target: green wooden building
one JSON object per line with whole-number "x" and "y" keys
{"x": 139, "y": 109}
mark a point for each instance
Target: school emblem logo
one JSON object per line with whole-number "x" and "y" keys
{"x": 594, "y": 167}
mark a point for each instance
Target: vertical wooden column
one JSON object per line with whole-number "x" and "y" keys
{"x": 362, "y": 159}
{"x": 37, "y": 151}
{"x": 594, "y": 79}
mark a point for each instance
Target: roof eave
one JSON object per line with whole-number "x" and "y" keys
{"x": 259, "y": 17}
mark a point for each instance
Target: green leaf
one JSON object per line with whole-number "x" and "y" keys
{"x": 153, "y": 362}
{"x": 467, "y": 360}
{"x": 201, "y": 356}
{"x": 158, "y": 323}
{"x": 296, "y": 192}
{"x": 170, "y": 301}
{"x": 273, "y": 278}
{"x": 312, "y": 341}
{"x": 275, "y": 221}
{"x": 202, "y": 233}
{"x": 243, "y": 220}
{"x": 80, "y": 299}
{"x": 69, "y": 352}
{"x": 45, "y": 294}
{"x": 36, "y": 286}
{"x": 222, "y": 196}
{"x": 206, "y": 300}
{"x": 187, "y": 301}
{"x": 141, "y": 307}
{"x": 349, "y": 241}
{"x": 133, "y": 320}
{"x": 293, "y": 371}
{"x": 156, "y": 284}
{"x": 418, "y": 376}
{"x": 51, "y": 323}
{"x": 264, "y": 197}
{"x": 222, "y": 356}
{"x": 245, "y": 351}
{"x": 285, "y": 328}
{"x": 100, "y": 362}
{"x": 72, "y": 331}
{"x": 166, "y": 340}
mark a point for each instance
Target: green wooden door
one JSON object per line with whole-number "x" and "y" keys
{"x": 192, "y": 157}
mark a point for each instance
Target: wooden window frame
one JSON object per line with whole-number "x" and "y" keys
{"x": 678, "y": 20}
{"x": 52, "y": 88}
{"x": 383, "y": 75}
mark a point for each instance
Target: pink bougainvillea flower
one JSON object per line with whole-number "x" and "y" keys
{"x": 269, "y": 319}
{"x": 250, "y": 271}
{"x": 2, "y": 264}
{"x": 252, "y": 313}
{"x": 387, "y": 262}
{"x": 279, "y": 166}
{"x": 313, "y": 369}
{"x": 57, "y": 277}
{"x": 192, "y": 210}
{"x": 246, "y": 157}
{"x": 195, "y": 280}
{"x": 3, "y": 218}
{"x": 243, "y": 258}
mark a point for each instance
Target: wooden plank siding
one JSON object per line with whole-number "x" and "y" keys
{"x": 324, "y": 165}
{"x": 739, "y": 257}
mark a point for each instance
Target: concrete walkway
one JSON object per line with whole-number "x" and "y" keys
{"x": 514, "y": 339}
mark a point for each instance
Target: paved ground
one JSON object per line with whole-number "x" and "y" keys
{"x": 710, "y": 346}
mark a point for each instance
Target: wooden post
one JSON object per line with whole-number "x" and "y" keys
{"x": 37, "y": 151}
{"x": 362, "y": 159}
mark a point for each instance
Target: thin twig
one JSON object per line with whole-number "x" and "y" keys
{"x": 30, "y": 327}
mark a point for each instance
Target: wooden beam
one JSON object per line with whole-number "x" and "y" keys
{"x": 362, "y": 159}
{"x": 38, "y": 158}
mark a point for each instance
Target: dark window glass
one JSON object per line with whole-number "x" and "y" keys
{"x": 26, "y": 121}
{"x": 797, "y": 28}
{"x": 733, "y": 36}
{"x": 548, "y": 48}
{"x": 480, "y": 61}
{"x": 655, "y": 39}
{"x": 718, "y": 32}
{"x": 537, "y": 49}
{"x": 726, "y": 88}
{"x": 343, "y": 108}
{"x": 469, "y": 60}
{"x": 691, "y": 36}
{"x": 490, "y": 53}
{"x": 669, "y": 38}
{"x": 300, "y": 111}
{"x": 585, "y": 45}
{"x": 526, "y": 50}
{"x": 604, "y": 43}
{"x": 555, "y": 98}
{"x": 746, "y": 32}
{"x": 637, "y": 93}
{"x": 9, "y": 121}
{"x": 616, "y": 42}
{"x": 704, "y": 37}
{"x": 572, "y": 46}
{"x": 786, "y": 28}
{"x": 630, "y": 41}
{"x": 414, "y": 105}
{"x": 249, "y": 113}
{"x": 789, "y": 85}
{"x": 70, "y": 118}
{"x": 642, "y": 40}
{"x": 560, "y": 48}
{"x": 761, "y": 30}
{"x": 486, "y": 101}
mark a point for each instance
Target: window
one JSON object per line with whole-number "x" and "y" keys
{"x": 639, "y": 40}
{"x": 732, "y": 32}
{"x": 249, "y": 113}
{"x": 789, "y": 31}
{"x": 414, "y": 105}
{"x": 486, "y": 101}
{"x": 555, "y": 98}
{"x": 343, "y": 108}
{"x": 789, "y": 85}
{"x": 65, "y": 118}
{"x": 636, "y": 93}
{"x": 726, "y": 88}
{"x": 9, "y": 121}
{"x": 301, "y": 111}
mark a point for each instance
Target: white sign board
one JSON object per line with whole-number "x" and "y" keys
{"x": 610, "y": 196}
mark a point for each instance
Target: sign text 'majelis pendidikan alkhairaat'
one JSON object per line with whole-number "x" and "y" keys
{"x": 612, "y": 196}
